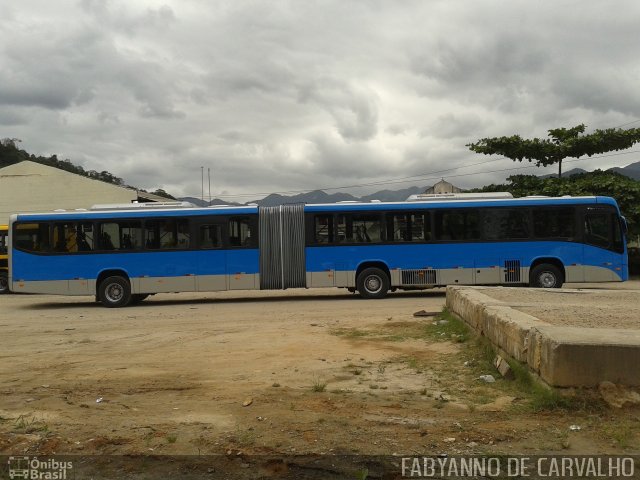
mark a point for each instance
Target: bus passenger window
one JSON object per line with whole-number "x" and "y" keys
{"x": 210, "y": 236}
{"x": 122, "y": 235}
{"x": 65, "y": 239}
{"x": 323, "y": 229}
{"x": 359, "y": 228}
{"x": 457, "y": 225}
{"x": 410, "y": 227}
{"x": 3, "y": 243}
{"x": 240, "y": 232}
{"x": 85, "y": 237}
{"x": 32, "y": 237}
{"x": 554, "y": 223}
{"x": 505, "y": 224}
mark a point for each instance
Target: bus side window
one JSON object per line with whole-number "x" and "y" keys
{"x": 554, "y": 223}
{"x": 410, "y": 227}
{"x": 457, "y": 225}
{"x": 65, "y": 239}
{"x": 323, "y": 228}
{"x": 240, "y": 232}
{"x": 85, "y": 237}
{"x": 3, "y": 243}
{"x": 210, "y": 236}
{"x": 32, "y": 237}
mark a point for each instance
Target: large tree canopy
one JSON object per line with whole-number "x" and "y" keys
{"x": 562, "y": 143}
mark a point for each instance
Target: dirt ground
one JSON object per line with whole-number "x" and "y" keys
{"x": 316, "y": 371}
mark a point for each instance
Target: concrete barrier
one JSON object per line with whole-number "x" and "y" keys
{"x": 561, "y": 356}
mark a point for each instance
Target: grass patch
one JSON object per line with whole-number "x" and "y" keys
{"x": 318, "y": 386}
{"x": 172, "y": 438}
{"x": 24, "y": 424}
{"x": 350, "y": 332}
{"x": 447, "y": 327}
{"x": 544, "y": 398}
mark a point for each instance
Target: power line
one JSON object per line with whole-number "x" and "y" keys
{"x": 419, "y": 177}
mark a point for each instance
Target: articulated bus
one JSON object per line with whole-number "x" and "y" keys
{"x": 4, "y": 273}
{"x": 122, "y": 255}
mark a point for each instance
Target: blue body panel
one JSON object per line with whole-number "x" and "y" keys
{"x": 439, "y": 256}
{"x": 29, "y": 267}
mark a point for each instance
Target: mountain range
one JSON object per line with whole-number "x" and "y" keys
{"x": 320, "y": 196}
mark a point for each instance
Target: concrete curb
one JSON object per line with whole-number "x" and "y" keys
{"x": 561, "y": 356}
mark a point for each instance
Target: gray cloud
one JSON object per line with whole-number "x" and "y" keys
{"x": 287, "y": 95}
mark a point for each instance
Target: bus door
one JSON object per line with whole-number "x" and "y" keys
{"x": 603, "y": 246}
{"x": 212, "y": 256}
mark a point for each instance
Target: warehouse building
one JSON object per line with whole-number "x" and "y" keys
{"x": 32, "y": 187}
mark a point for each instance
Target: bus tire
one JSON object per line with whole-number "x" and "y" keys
{"x": 4, "y": 282}
{"x": 373, "y": 283}
{"x": 546, "y": 275}
{"x": 114, "y": 292}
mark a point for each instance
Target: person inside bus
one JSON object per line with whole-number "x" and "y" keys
{"x": 83, "y": 245}
{"x": 106, "y": 242}
{"x": 361, "y": 234}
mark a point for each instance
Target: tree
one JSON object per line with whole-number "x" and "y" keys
{"x": 562, "y": 143}
{"x": 161, "y": 193}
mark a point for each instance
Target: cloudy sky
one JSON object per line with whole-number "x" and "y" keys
{"x": 278, "y": 96}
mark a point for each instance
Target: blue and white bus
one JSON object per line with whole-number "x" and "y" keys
{"x": 122, "y": 255}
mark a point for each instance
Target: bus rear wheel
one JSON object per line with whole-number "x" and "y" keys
{"x": 4, "y": 282}
{"x": 114, "y": 292}
{"x": 373, "y": 283}
{"x": 546, "y": 275}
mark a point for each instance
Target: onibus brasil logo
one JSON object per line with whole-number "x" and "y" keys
{"x": 37, "y": 469}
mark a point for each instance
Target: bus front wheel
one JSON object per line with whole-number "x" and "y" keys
{"x": 373, "y": 283}
{"x": 4, "y": 282}
{"x": 115, "y": 292}
{"x": 546, "y": 276}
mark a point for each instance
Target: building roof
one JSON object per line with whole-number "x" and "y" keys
{"x": 32, "y": 187}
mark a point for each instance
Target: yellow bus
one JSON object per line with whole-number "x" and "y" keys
{"x": 4, "y": 270}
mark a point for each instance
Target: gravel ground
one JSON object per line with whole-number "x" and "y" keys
{"x": 578, "y": 305}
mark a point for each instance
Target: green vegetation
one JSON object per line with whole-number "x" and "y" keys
{"x": 318, "y": 386}
{"x": 25, "y": 424}
{"x": 562, "y": 143}
{"x": 447, "y": 327}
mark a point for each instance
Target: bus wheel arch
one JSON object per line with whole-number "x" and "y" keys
{"x": 547, "y": 273}
{"x": 113, "y": 288}
{"x": 373, "y": 280}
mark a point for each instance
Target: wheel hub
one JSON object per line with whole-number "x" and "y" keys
{"x": 547, "y": 279}
{"x": 373, "y": 284}
{"x": 114, "y": 292}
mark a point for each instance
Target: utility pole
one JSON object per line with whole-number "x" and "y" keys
{"x": 209, "y": 174}
{"x": 202, "y": 183}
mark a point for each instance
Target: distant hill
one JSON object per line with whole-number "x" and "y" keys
{"x": 567, "y": 174}
{"x": 204, "y": 203}
{"x": 631, "y": 171}
{"x": 318, "y": 196}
